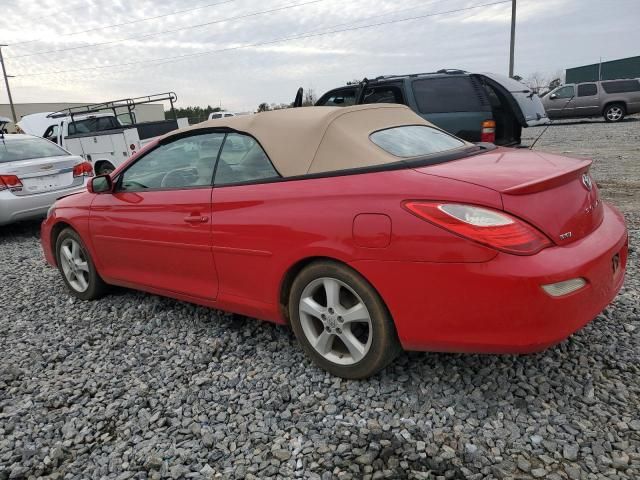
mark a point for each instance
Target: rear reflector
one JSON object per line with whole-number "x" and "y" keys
{"x": 10, "y": 182}
{"x": 564, "y": 288}
{"x": 488, "y": 133}
{"x": 493, "y": 228}
{"x": 83, "y": 169}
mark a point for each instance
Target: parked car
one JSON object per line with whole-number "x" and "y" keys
{"x": 366, "y": 229}
{"x": 477, "y": 107}
{"x": 224, "y": 114}
{"x": 106, "y": 134}
{"x": 611, "y": 99}
{"x": 35, "y": 172}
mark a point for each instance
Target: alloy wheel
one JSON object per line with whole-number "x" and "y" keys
{"x": 335, "y": 321}
{"x": 74, "y": 265}
{"x": 614, "y": 113}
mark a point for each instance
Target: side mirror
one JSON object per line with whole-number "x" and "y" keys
{"x": 553, "y": 96}
{"x": 100, "y": 184}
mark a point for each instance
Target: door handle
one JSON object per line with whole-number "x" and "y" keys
{"x": 196, "y": 219}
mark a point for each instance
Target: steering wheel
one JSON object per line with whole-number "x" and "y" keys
{"x": 178, "y": 178}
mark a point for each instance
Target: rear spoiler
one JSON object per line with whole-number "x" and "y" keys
{"x": 549, "y": 182}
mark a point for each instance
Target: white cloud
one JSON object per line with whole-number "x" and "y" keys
{"x": 551, "y": 35}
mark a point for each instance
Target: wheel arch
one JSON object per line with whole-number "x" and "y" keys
{"x": 614, "y": 102}
{"x": 293, "y": 271}
{"x": 56, "y": 230}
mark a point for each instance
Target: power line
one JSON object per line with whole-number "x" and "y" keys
{"x": 131, "y": 22}
{"x": 350, "y": 23}
{"x": 149, "y": 35}
{"x": 171, "y": 59}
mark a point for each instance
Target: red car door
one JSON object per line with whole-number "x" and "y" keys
{"x": 154, "y": 230}
{"x": 244, "y": 233}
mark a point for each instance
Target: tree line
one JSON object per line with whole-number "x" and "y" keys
{"x": 194, "y": 114}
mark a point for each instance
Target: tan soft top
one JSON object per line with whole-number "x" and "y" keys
{"x": 309, "y": 140}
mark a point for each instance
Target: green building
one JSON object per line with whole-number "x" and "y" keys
{"x": 611, "y": 70}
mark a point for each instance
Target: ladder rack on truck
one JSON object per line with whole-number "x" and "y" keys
{"x": 126, "y": 103}
{"x": 96, "y": 132}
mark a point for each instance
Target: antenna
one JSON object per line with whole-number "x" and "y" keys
{"x": 549, "y": 124}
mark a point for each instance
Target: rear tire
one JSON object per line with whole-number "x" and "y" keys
{"x": 341, "y": 321}
{"x": 614, "y": 112}
{"x": 77, "y": 268}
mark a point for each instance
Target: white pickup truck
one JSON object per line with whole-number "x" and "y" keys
{"x": 105, "y": 134}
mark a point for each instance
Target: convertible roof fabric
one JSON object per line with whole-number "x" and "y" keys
{"x": 311, "y": 140}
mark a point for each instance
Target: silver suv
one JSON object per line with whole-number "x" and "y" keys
{"x": 611, "y": 99}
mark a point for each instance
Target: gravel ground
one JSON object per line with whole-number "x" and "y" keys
{"x": 139, "y": 386}
{"x": 614, "y": 148}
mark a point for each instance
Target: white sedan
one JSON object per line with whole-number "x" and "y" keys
{"x": 34, "y": 173}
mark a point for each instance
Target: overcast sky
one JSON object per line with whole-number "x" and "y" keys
{"x": 551, "y": 36}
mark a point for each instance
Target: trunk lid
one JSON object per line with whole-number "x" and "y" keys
{"x": 40, "y": 175}
{"x": 551, "y": 192}
{"x": 526, "y": 104}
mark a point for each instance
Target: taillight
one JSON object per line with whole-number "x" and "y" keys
{"x": 83, "y": 169}
{"x": 489, "y": 227}
{"x": 10, "y": 182}
{"x": 488, "y": 133}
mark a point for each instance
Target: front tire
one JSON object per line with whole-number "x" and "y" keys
{"x": 614, "y": 112}
{"x": 341, "y": 321}
{"x": 77, "y": 268}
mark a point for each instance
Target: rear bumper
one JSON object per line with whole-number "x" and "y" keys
{"x": 14, "y": 208}
{"x": 499, "y": 306}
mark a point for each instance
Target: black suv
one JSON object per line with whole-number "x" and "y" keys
{"x": 477, "y": 107}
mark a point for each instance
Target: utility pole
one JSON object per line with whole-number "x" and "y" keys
{"x": 513, "y": 36}
{"x": 600, "y": 69}
{"x": 6, "y": 82}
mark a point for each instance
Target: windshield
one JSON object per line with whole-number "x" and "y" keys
{"x": 28, "y": 148}
{"x": 415, "y": 141}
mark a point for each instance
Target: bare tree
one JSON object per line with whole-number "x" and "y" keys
{"x": 310, "y": 98}
{"x": 542, "y": 83}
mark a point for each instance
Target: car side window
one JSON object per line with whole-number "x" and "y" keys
{"x": 341, "y": 98}
{"x": 52, "y": 133}
{"x": 242, "y": 160}
{"x": 621, "y": 86}
{"x": 565, "y": 92}
{"x": 448, "y": 94}
{"x": 587, "y": 90}
{"x": 187, "y": 162}
{"x": 386, "y": 94}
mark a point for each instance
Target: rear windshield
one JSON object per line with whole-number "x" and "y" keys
{"x": 27, "y": 148}
{"x": 415, "y": 141}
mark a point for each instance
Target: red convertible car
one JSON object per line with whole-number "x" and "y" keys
{"x": 366, "y": 229}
